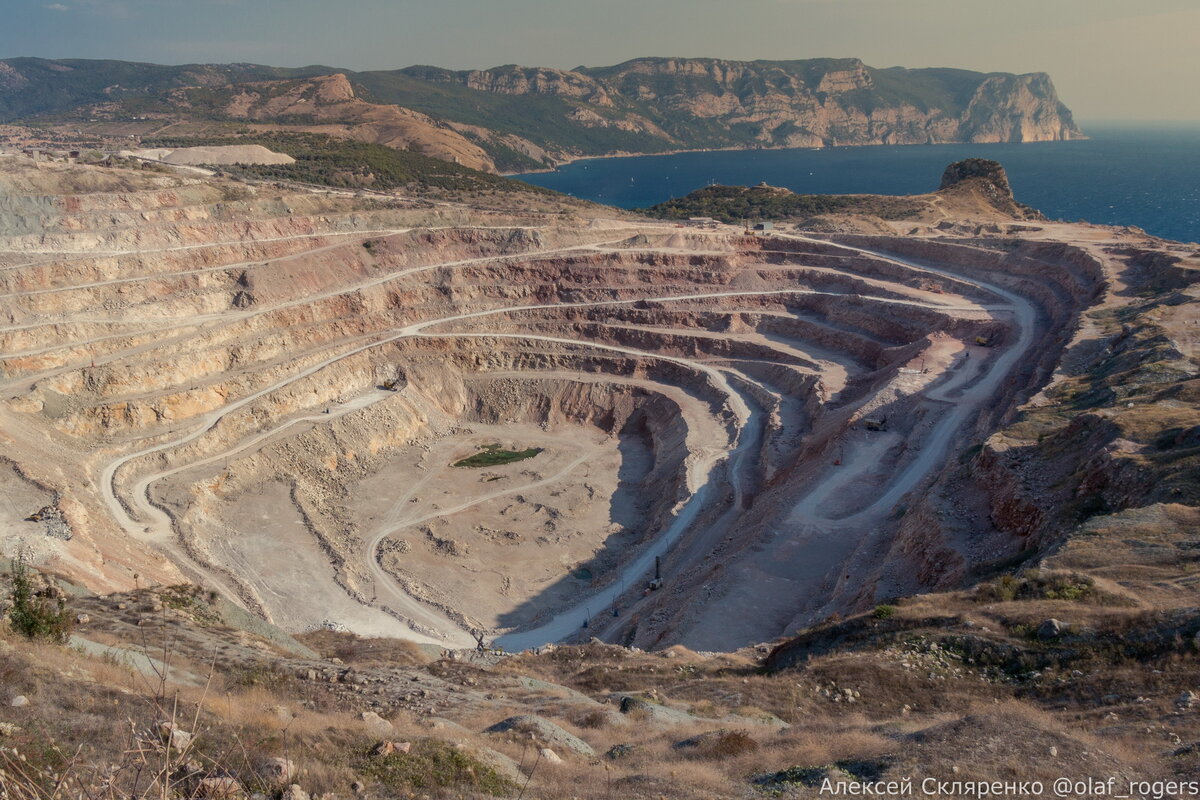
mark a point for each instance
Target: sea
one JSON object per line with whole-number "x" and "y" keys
{"x": 1147, "y": 175}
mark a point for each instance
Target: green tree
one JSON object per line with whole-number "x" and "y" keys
{"x": 36, "y": 614}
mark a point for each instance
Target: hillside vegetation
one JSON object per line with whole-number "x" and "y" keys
{"x": 734, "y": 204}
{"x": 515, "y": 118}
{"x": 328, "y": 161}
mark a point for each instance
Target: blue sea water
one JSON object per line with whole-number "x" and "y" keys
{"x": 1125, "y": 174}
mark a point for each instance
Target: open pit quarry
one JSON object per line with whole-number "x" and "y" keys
{"x": 264, "y": 390}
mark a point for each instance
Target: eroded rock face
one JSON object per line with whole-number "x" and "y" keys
{"x": 538, "y": 80}
{"x": 978, "y": 168}
{"x": 10, "y": 78}
{"x": 1017, "y": 108}
{"x": 644, "y": 105}
{"x": 797, "y": 103}
{"x": 781, "y": 394}
{"x": 988, "y": 180}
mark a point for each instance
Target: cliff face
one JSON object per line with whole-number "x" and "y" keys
{"x": 805, "y": 103}
{"x": 1018, "y": 108}
{"x": 514, "y": 118}
{"x": 537, "y": 80}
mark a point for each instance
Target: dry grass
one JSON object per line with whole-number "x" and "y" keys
{"x": 91, "y": 730}
{"x": 995, "y": 722}
{"x": 1146, "y": 422}
{"x": 1007, "y": 741}
{"x": 958, "y": 721}
{"x": 366, "y": 652}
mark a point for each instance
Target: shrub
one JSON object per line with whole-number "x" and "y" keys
{"x": 37, "y": 614}
{"x": 193, "y": 601}
{"x": 434, "y": 764}
{"x": 884, "y": 611}
{"x": 729, "y": 745}
{"x": 716, "y": 745}
{"x": 597, "y": 718}
{"x": 1032, "y": 586}
{"x": 736, "y": 203}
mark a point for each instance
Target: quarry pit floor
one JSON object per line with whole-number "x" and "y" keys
{"x": 273, "y": 409}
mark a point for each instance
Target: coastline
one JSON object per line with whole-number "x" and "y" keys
{"x": 675, "y": 152}
{"x": 1105, "y": 178}
{"x": 747, "y": 149}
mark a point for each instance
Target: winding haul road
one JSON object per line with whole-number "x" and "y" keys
{"x": 960, "y": 404}
{"x": 821, "y": 551}
{"x": 141, "y": 518}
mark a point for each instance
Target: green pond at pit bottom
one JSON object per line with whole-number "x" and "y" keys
{"x": 493, "y": 456}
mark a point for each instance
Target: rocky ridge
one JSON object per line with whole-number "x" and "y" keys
{"x": 814, "y": 103}
{"x": 513, "y": 118}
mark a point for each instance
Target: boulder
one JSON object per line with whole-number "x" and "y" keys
{"x": 497, "y": 761}
{"x": 281, "y": 713}
{"x": 1050, "y": 630}
{"x": 174, "y": 736}
{"x": 446, "y": 725}
{"x": 544, "y": 731}
{"x": 377, "y": 725}
{"x": 390, "y": 748}
{"x": 277, "y": 771}
{"x": 219, "y": 787}
{"x": 699, "y": 740}
{"x": 654, "y": 712}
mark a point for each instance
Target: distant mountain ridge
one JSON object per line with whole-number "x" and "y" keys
{"x": 514, "y": 117}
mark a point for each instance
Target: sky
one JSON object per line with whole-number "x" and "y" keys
{"x": 1110, "y": 59}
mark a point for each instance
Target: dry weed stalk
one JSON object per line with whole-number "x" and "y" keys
{"x": 159, "y": 760}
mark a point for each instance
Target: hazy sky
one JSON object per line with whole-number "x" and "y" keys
{"x": 1110, "y": 59}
